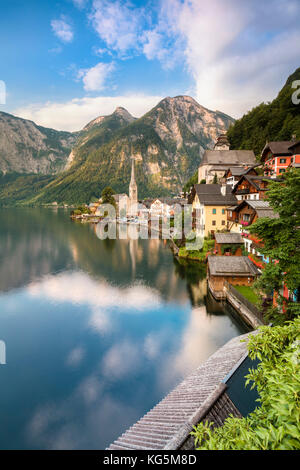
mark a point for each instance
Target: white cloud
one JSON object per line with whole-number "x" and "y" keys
{"x": 95, "y": 77}
{"x": 237, "y": 52}
{"x": 80, "y": 3}
{"x": 75, "y": 357}
{"x": 62, "y": 29}
{"x": 118, "y": 24}
{"x": 73, "y": 115}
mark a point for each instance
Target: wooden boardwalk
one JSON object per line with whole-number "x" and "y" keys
{"x": 168, "y": 424}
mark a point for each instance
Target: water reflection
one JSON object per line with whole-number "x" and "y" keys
{"x": 96, "y": 331}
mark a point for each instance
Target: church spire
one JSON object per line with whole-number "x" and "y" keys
{"x": 132, "y": 180}
{"x": 133, "y": 192}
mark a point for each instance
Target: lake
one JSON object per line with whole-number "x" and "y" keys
{"x": 96, "y": 331}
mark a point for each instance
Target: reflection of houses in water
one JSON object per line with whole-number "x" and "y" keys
{"x": 198, "y": 292}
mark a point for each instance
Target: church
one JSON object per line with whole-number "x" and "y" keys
{"x": 221, "y": 158}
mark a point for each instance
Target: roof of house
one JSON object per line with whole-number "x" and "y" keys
{"x": 267, "y": 213}
{"x": 228, "y": 157}
{"x": 228, "y": 238}
{"x": 241, "y": 170}
{"x": 278, "y": 148}
{"x": 210, "y": 194}
{"x": 295, "y": 144}
{"x": 254, "y": 180}
{"x": 262, "y": 208}
{"x": 231, "y": 265}
{"x": 170, "y": 422}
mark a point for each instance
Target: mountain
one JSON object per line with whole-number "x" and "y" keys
{"x": 28, "y": 148}
{"x": 167, "y": 143}
{"x": 277, "y": 120}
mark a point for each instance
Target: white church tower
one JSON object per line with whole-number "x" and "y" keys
{"x": 133, "y": 192}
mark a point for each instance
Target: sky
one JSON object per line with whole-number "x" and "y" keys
{"x": 66, "y": 62}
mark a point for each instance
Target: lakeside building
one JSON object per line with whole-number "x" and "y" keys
{"x": 228, "y": 244}
{"x": 209, "y": 204}
{"x": 240, "y": 216}
{"x": 236, "y": 270}
{"x": 278, "y": 156}
{"x": 215, "y": 162}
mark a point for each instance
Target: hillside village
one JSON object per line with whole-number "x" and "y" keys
{"x": 230, "y": 196}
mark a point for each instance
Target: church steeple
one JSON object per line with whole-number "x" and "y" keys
{"x": 133, "y": 194}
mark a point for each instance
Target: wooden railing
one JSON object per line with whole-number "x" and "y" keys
{"x": 250, "y": 306}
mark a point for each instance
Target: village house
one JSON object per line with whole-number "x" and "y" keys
{"x": 241, "y": 216}
{"x": 228, "y": 244}
{"x": 278, "y": 156}
{"x": 164, "y": 207}
{"x": 215, "y": 162}
{"x": 251, "y": 187}
{"x": 236, "y": 270}
{"x": 234, "y": 174}
{"x": 209, "y": 204}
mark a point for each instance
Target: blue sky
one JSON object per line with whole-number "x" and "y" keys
{"x": 65, "y": 62}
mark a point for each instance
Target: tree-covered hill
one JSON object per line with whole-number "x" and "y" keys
{"x": 277, "y": 120}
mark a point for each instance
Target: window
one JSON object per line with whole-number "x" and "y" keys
{"x": 223, "y": 211}
{"x": 214, "y": 211}
{"x": 214, "y": 222}
{"x": 282, "y": 160}
{"x": 282, "y": 170}
{"x": 223, "y": 222}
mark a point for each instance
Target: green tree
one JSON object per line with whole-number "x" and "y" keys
{"x": 107, "y": 196}
{"x": 215, "y": 180}
{"x": 274, "y": 424}
{"x": 281, "y": 238}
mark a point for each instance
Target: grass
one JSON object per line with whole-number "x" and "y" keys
{"x": 249, "y": 293}
{"x": 197, "y": 255}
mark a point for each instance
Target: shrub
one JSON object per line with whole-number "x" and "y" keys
{"x": 275, "y": 423}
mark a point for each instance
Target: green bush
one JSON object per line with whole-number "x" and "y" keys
{"x": 275, "y": 423}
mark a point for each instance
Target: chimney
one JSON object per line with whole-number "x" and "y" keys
{"x": 223, "y": 189}
{"x": 294, "y": 137}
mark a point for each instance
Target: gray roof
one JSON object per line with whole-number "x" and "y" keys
{"x": 267, "y": 213}
{"x": 210, "y": 194}
{"x": 172, "y": 419}
{"x": 237, "y": 170}
{"x": 228, "y": 238}
{"x": 231, "y": 265}
{"x": 258, "y": 204}
{"x": 228, "y": 157}
{"x": 279, "y": 148}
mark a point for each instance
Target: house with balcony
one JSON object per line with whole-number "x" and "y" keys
{"x": 209, "y": 204}
{"x": 278, "y": 156}
{"x": 233, "y": 174}
{"x": 251, "y": 187}
{"x": 241, "y": 216}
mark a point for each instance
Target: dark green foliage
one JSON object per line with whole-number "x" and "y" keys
{"x": 15, "y": 188}
{"x": 275, "y": 423}
{"x": 107, "y": 196}
{"x": 277, "y": 120}
{"x": 191, "y": 182}
{"x": 281, "y": 239}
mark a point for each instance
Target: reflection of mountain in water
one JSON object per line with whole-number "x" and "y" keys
{"x": 38, "y": 242}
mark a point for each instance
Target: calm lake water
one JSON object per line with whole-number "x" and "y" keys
{"x": 96, "y": 332}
